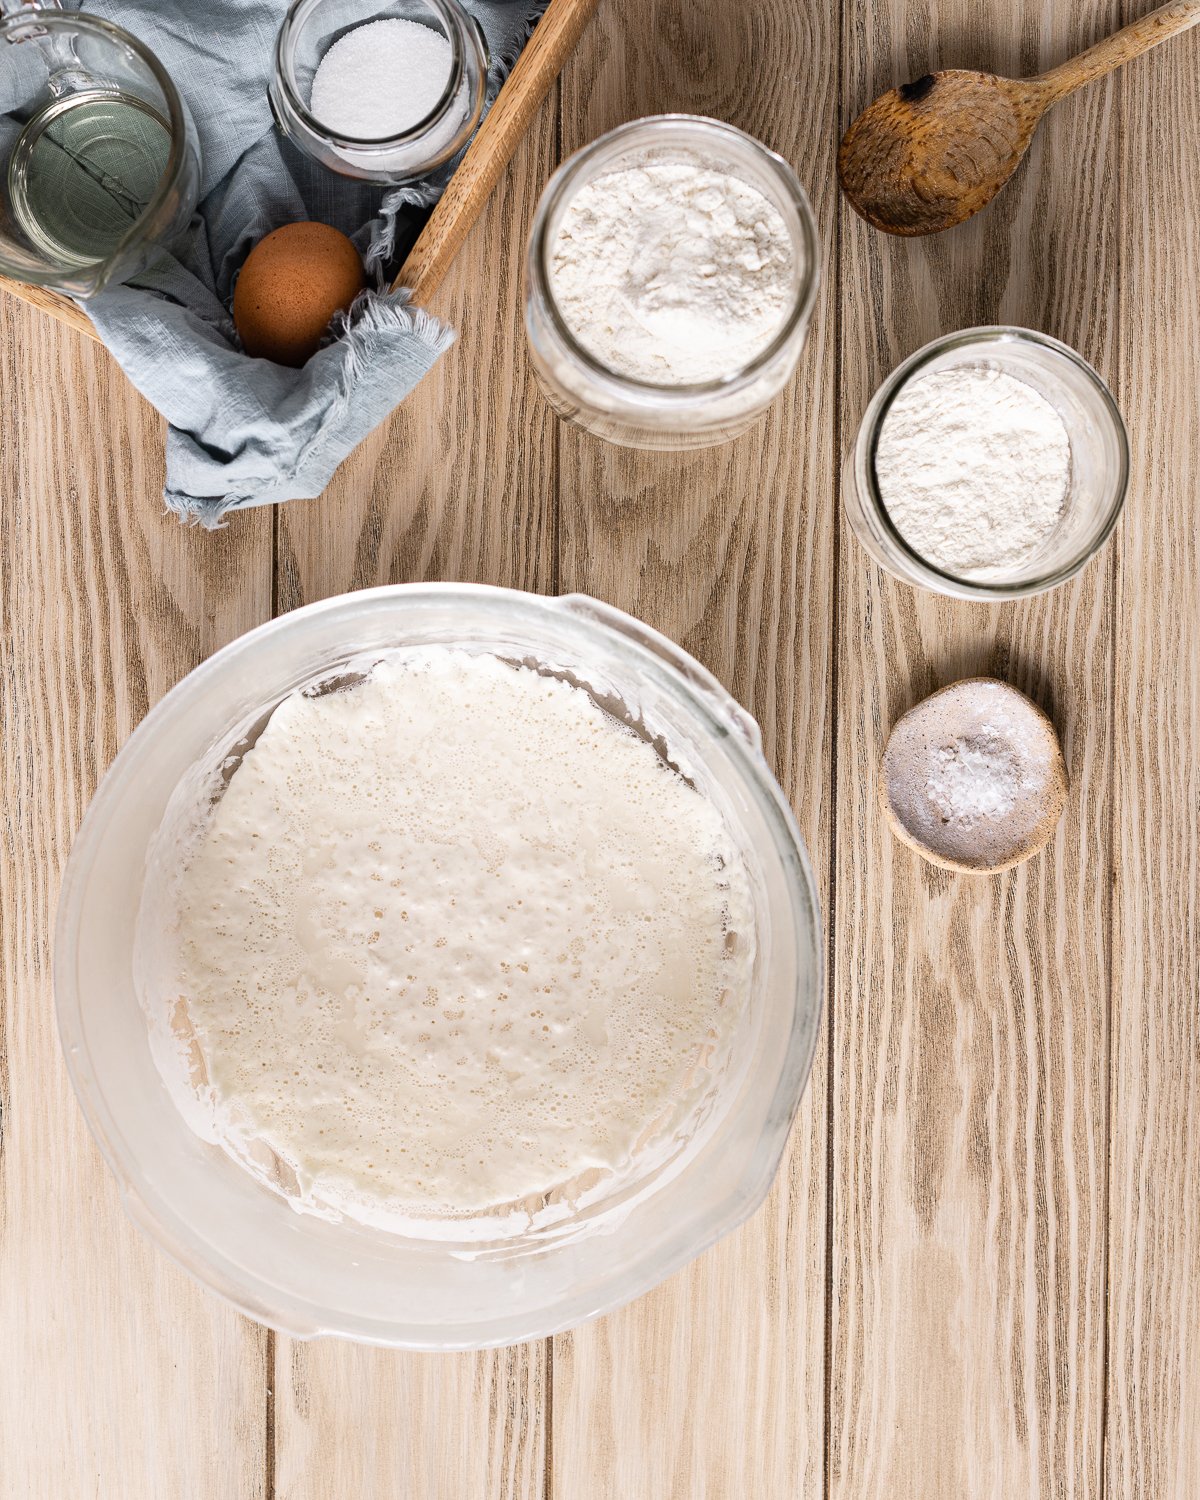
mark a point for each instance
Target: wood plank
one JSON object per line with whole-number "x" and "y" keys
{"x": 458, "y": 484}
{"x": 53, "y": 303}
{"x": 970, "y": 1059}
{"x": 1153, "y": 1450}
{"x": 713, "y": 1384}
{"x": 118, "y": 1376}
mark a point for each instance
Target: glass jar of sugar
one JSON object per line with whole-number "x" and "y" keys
{"x": 992, "y": 464}
{"x": 670, "y": 279}
{"x": 383, "y": 92}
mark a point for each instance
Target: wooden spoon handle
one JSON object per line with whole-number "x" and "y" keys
{"x": 1131, "y": 41}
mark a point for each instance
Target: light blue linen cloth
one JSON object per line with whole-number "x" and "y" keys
{"x": 245, "y": 431}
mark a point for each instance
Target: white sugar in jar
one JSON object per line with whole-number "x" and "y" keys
{"x": 384, "y": 93}
{"x": 383, "y": 79}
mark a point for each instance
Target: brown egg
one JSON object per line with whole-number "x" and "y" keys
{"x": 293, "y": 282}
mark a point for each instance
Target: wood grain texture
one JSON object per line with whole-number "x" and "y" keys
{"x": 372, "y": 1423}
{"x": 713, "y": 1385}
{"x": 970, "y": 1059}
{"x": 459, "y": 484}
{"x": 1153, "y": 1450}
{"x": 1137, "y": 36}
{"x": 118, "y": 1376}
{"x": 54, "y": 303}
{"x": 978, "y": 1274}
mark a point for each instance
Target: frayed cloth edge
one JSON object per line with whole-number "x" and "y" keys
{"x": 372, "y": 312}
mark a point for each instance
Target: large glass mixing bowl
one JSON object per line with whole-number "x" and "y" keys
{"x": 307, "y": 1276}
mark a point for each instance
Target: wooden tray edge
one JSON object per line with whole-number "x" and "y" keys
{"x": 54, "y": 303}
{"x": 539, "y": 64}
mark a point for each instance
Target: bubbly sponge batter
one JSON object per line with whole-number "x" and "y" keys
{"x": 453, "y": 942}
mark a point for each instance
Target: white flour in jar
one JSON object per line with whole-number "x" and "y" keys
{"x": 973, "y": 467}
{"x": 672, "y": 272}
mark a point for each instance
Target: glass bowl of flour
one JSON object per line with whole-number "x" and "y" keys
{"x": 438, "y": 966}
{"x": 670, "y": 278}
{"x": 990, "y": 465}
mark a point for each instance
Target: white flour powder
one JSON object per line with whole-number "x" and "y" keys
{"x": 672, "y": 272}
{"x": 973, "y": 467}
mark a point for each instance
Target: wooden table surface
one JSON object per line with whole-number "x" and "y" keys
{"x": 978, "y": 1274}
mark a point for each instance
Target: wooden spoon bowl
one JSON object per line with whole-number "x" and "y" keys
{"x": 973, "y": 713}
{"x": 931, "y": 153}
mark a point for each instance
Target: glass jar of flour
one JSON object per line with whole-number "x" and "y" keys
{"x": 671, "y": 273}
{"x": 992, "y": 464}
{"x": 385, "y": 92}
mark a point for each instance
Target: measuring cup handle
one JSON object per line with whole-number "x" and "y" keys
{"x": 20, "y": 19}
{"x": 10, "y": 9}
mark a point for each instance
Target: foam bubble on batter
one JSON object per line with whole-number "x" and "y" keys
{"x": 452, "y": 940}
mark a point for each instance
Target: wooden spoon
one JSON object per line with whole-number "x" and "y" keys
{"x": 930, "y": 154}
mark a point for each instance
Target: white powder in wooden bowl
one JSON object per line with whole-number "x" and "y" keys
{"x": 974, "y": 778}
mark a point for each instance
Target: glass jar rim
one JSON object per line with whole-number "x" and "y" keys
{"x": 56, "y": 20}
{"x": 983, "y": 336}
{"x": 666, "y": 125}
{"x": 455, "y": 22}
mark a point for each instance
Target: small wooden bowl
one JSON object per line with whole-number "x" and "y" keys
{"x": 975, "y": 709}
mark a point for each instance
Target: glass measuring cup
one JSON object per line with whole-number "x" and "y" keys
{"x": 99, "y": 163}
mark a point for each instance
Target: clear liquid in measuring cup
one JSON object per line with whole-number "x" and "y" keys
{"x": 84, "y": 171}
